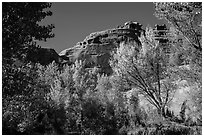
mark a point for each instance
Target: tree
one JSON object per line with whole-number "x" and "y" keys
{"x": 20, "y": 92}
{"x": 22, "y": 101}
{"x": 20, "y": 28}
{"x": 146, "y": 70}
{"x": 186, "y": 17}
{"x": 186, "y": 29}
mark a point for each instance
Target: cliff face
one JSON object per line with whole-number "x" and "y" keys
{"x": 96, "y": 48}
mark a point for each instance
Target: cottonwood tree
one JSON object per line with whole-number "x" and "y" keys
{"x": 146, "y": 70}
{"x": 186, "y": 21}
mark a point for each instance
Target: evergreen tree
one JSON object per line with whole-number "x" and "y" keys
{"x": 20, "y": 28}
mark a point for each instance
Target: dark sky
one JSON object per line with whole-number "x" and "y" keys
{"x": 75, "y": 20}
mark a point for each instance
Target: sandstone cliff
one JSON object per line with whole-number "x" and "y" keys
{"x": 96, "y": 48}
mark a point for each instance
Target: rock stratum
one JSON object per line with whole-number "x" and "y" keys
{"x": 95, "y": 50}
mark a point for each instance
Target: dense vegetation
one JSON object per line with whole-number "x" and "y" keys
{"x": 136, "y": 99}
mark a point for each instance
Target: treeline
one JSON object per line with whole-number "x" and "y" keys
{"x": 135, "y": 99}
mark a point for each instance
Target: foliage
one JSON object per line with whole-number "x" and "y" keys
{"x": 50, "y": 99}
{"x": 186, "y": 62}
{"x": 18, "y": 80}
{"x": 75, "y": 105}
{"x": 21, "y": 102}
{"x": 22, "y": 96}
{"x": 186, "y": 17}
{"x": 20, "y": 28}
{"x": 114, "y": 100}
{"x": 170, "y": 129}
{"x": 74, "y": 100}
{"x": 147, "y": 71}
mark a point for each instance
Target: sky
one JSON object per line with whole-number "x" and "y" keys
{"x": 75, "y": 20}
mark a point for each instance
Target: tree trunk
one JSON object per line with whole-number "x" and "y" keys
{"x": 161, "y": 112}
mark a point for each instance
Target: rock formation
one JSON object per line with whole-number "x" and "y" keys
{"x": 44, "y": 56}
{"x": 96, "y": 48}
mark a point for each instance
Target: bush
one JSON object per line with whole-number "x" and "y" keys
{"x": 22, "y": 103}
{"x": 169, "y": 129}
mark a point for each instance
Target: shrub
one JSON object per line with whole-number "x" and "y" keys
{"x": 170, "y": 129}
{"x": 21, "y": 102}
